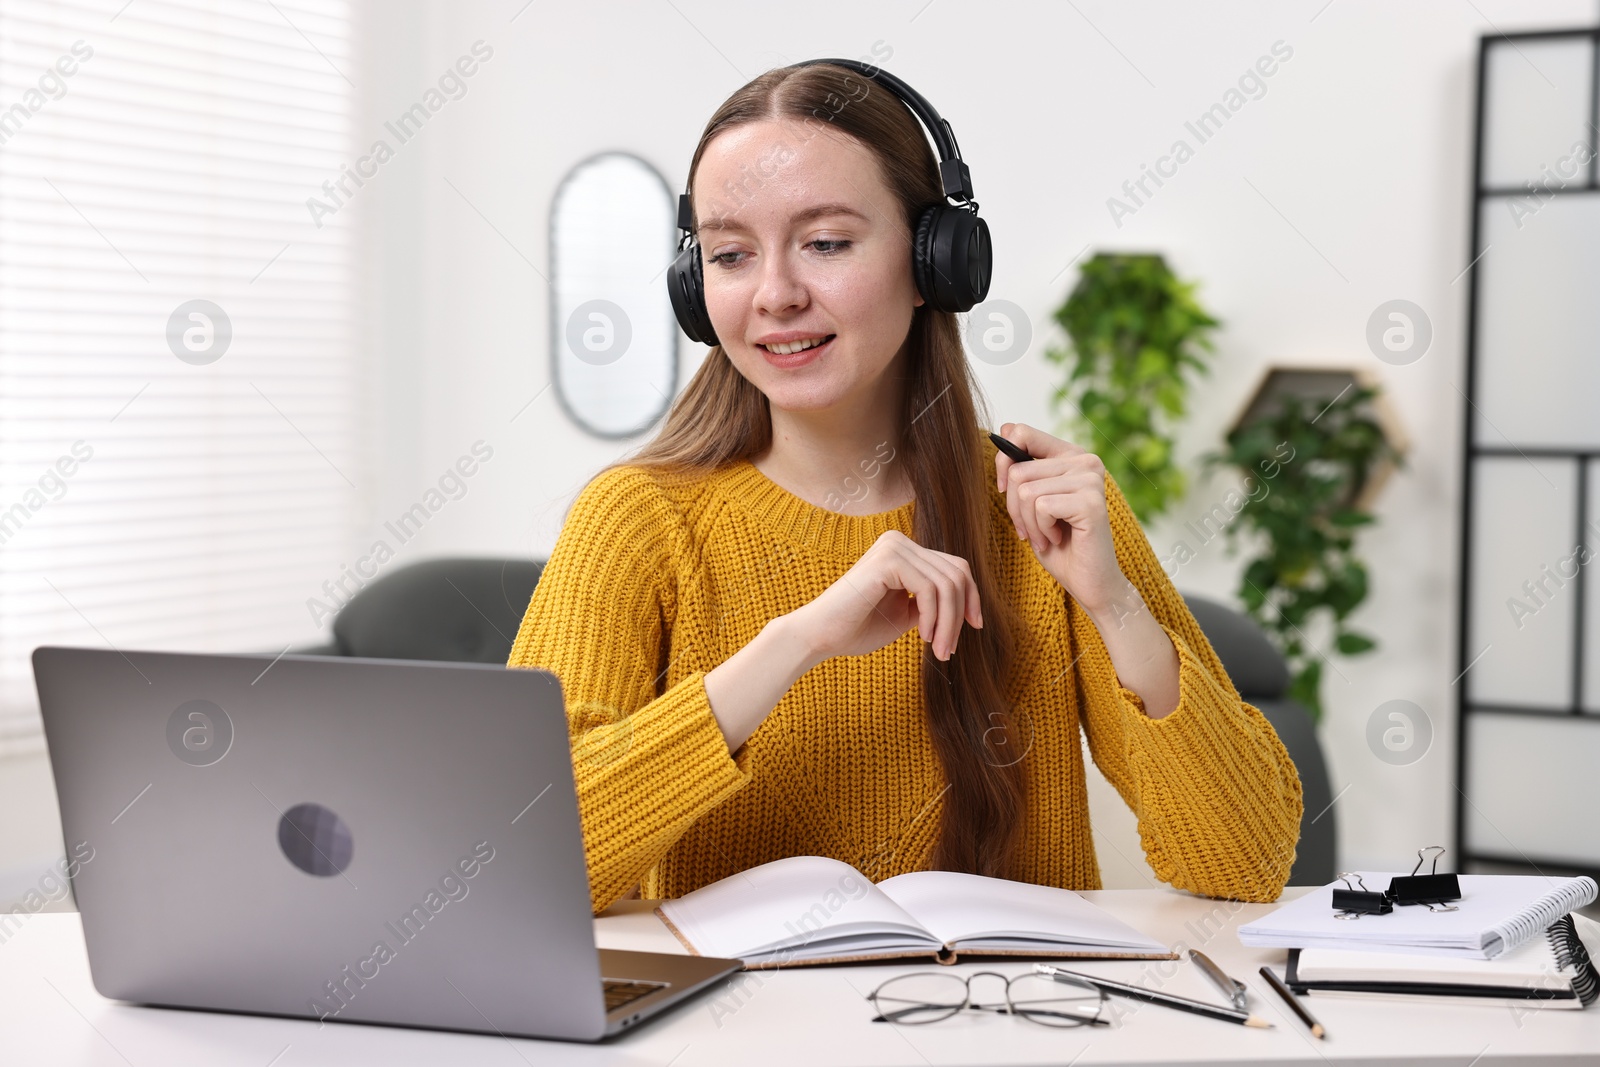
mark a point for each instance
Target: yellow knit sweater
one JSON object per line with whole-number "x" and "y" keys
{"x": 652, "y": 584}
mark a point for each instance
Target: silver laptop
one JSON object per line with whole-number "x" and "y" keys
{"x": 361, "y": 840}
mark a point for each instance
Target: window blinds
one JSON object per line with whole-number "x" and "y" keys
{"x": 182, "y": 421}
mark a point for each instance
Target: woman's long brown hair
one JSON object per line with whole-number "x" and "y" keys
{"x": 720, "y": 418}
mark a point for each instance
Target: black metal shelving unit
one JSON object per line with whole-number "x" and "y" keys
{"x": 1585, "y": 459}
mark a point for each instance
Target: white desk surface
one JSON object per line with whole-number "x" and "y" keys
{"x": 50, "y": 1014}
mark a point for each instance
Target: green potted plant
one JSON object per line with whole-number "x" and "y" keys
{"x": 1134, "y": 330}
{"x": 1312, "y": 466}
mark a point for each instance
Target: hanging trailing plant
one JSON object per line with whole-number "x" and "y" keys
{"x": 1318, "y": 457}
{"x": 1134, "y": 331}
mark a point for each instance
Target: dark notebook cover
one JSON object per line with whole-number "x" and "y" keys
{"x": 1564, "y": 941}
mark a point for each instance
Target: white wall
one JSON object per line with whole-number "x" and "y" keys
{"x": 1347, "y": 184}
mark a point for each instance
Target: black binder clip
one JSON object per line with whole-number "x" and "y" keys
{"x": 1352, "y": 903}
{"x": 1428, "y": 889}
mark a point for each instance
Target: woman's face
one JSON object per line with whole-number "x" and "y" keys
{"x": 802, "y": 240}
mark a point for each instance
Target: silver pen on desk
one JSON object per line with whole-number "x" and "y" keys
{"x": 1231, "y": 988}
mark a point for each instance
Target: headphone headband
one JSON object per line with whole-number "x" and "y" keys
{"x": 953, "y": 173}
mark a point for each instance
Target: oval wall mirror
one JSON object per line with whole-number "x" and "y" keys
{"x": 613, "y": 336}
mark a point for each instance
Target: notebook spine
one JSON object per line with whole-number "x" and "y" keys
{"x": 1570, "y": 952}
{"x": 1540, "y": 916}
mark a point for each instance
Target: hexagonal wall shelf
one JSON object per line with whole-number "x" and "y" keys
{"x": 1327, "y": 384}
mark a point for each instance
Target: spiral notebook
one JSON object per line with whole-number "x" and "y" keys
{"x": 1553, "y": 971}
{"x": 1496, "y": 913}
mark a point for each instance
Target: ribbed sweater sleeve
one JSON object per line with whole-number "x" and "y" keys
{"x": 1217, "y": 798}
{"x": 647, "y": 763}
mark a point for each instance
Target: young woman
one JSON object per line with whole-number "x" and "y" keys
{"x": 819, "y": 614}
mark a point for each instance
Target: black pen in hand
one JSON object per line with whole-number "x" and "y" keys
{"x": 1019, "y": 455}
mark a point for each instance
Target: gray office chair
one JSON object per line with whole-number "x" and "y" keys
{"x": 1260, "y": 674}
{"x": 464, "y": 609}
{"x": 459, "y": 609}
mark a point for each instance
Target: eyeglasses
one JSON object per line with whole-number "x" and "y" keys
{"x": 929, "y": 996}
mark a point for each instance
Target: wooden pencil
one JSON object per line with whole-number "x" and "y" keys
{"x": 1166, "y": 1000}
{"x": 1293, "y": 1001}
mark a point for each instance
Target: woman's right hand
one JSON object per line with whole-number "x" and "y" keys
{"x": 869, "y": 606}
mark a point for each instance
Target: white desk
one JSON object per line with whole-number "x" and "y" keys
{"x": 50, "y": 1014}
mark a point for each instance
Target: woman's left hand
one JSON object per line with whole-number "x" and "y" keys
{"x": 1058, "y": 502}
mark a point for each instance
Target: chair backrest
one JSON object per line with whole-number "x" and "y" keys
{"x": 459, "y": 609}
{"x": 469, "y": 609}
{"x": 1261, "y": 675}
{"x": 1256, "y": 667}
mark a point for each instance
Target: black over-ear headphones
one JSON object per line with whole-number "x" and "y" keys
{"x": 950, "y": 254}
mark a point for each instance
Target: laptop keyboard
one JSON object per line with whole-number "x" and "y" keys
{"x": 619, "y": 992}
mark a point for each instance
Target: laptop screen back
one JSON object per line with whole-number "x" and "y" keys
{"x": 338, "y": 838}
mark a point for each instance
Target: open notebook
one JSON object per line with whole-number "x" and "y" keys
{"x": 1496, "y": 913}
{"x": 810, "y": 909}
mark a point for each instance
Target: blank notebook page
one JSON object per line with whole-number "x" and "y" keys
{"x": 1531, "y": 964}
{"x": 961, "y": 907}
{"x": 787, "y": 902}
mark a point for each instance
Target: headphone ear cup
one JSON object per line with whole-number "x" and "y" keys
{"x": 978, "y": 260}
{"x": 953, "y": 258}
{"x": 922, "y": 254}
{"x": 686, "y": 289}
